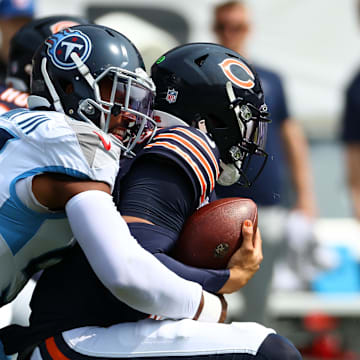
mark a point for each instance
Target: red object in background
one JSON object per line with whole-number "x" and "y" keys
{"x": 319, "y": 322}
{"x": 326, "y": 343}
{"x": 326, "y": 346}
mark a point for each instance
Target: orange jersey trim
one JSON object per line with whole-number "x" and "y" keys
{"x": 188, "y": 158}
{"x": 204, "y": 144}
{"x": 188, "y": 144}
{"x": 53, "y": 350}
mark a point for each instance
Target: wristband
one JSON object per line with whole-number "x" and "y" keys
{"x": 212, "y": 308}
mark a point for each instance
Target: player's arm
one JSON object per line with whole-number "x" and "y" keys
{"x": 131, "y": 273}
{"x": 352, "y": 156}
{"x": 170, "y": 199}
{"x": 299, "y": 163}
{"x": 241, "y": 267}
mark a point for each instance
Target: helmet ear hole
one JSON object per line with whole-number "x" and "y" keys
{"x": 200, "y": 61}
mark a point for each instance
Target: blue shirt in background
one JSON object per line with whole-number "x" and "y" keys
{"x": 351, "y": 123}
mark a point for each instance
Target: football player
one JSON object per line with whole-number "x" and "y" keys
{"x": 59, "y": 160}
{"x": 15, "y": 92}
{"x": 169, "y": 178}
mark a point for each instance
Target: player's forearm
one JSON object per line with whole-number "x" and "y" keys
{"x": 353, "y": 175}
{"x": 299, "y": 163}
{"x": 131, "y": 273}
{"x": 210, "y": 280}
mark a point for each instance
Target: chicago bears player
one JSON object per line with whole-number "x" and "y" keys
{"x": 59, "y": 166}
{"x": 169, "y": 178}
{"x": 23, "y": 45}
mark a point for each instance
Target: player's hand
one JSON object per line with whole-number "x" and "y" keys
{"x": 245, "y": 261}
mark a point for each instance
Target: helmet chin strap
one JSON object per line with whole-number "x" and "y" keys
{"x": 56, "y": 100}
{"x": 229, "y": 174}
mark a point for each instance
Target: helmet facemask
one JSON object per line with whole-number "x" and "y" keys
{"x": 252, "y": 124}
{"x": 130, "y": 94}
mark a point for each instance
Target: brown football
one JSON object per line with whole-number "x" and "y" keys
{"x": 213, "y": 233}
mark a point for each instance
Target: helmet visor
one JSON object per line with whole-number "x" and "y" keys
{"x": 134, "y": 99}
{"x": 130, "y": 97}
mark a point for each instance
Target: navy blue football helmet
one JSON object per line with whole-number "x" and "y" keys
{"x": 71, "y": 68}
{"x": 215, "y": 89}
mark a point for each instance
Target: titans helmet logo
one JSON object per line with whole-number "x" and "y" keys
{"x": 238, "y": 73}
{"x": 61, "y": 45}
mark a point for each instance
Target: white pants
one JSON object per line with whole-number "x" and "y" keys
{"x": 151, "y": 338}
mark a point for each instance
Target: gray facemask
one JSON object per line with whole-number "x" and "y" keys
{"x": 230, "y": 174}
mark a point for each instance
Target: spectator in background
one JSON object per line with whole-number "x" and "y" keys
{"x": 13, "y": 15}
{"x": 350, "y": 136}
{"x": 288, "y": 151}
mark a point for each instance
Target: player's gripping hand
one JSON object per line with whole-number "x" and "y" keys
{"x": 245, "y": 261}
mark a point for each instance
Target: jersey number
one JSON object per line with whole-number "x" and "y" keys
{"x": 5, "y": 136}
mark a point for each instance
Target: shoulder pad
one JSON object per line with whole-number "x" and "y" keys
{"x": 193, "y": 150}
{"x": 66, "y": 145}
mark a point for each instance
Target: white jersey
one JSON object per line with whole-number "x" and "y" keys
{"x": 31, "y": 143}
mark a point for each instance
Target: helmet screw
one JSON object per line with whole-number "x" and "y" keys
{"x": 71, "y": 111}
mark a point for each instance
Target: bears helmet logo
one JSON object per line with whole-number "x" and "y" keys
{"x": 238, "y": 73}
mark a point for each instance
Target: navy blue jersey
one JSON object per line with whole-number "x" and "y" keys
{"x": 190, "y": 149}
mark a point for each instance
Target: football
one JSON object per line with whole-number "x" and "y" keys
{"x": 213, "y": 233}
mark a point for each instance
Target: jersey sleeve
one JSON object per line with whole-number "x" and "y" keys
{"x": 193, "y": 151}
{"x": 160, "y": 242}
{"x": 62, "y": 145}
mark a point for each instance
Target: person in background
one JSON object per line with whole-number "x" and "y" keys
{"x": 13, "y": 15}
{"x": 14, "y": 91}
{"x": 350, "y": 136}
{"x": 288, "y": 152}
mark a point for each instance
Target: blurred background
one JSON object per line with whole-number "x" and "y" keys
{"x": 315, "y": 47}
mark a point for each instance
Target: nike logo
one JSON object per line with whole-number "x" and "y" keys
{"x": 107, "y": 145}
